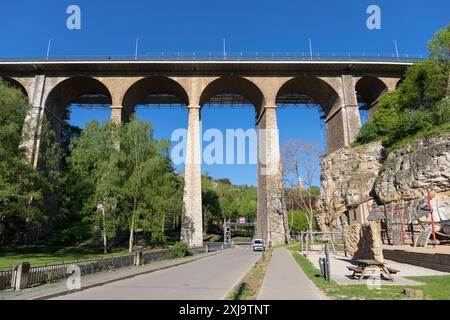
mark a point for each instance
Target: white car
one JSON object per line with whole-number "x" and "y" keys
{"x": 258, "y": 245}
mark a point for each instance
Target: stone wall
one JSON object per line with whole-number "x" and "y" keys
{"x": 436, "y": 261}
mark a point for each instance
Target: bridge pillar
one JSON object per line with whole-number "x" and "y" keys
{"x": 271, "y": 210}
{"x": 32, "y": 128}
{"x": 192, "y": 220}
{"x": 116, "y": 114}
{"x": 344, "y": 123}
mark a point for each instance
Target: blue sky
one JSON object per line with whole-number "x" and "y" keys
{"x": 111, "y": 27}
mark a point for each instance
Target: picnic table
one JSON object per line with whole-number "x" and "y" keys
{"x": 366, "y": 267}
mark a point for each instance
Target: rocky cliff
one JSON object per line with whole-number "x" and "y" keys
{"x": 347, "y": 179}
{"x": 410, "y": 172}
{"x": 352, "y": 176}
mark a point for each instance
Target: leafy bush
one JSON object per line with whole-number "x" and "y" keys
{"x": 72, "y": 236}
{"x": 441, "y": 112}
{"x": 298, "y": 222}
{"x": 179, "y": 250}
{"x": 419, "y": 106}
{"x": 415, "y": 108}
{"x": 368, "y": 133}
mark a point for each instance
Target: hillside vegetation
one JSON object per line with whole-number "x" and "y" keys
{"x": 420, "y": 105}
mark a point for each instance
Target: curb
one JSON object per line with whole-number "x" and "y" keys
{"x": 98, "y": 284}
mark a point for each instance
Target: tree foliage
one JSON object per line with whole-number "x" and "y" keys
{"x": 439, "y": 46}
{"x": 298, "y": 222}
{"x": 419, "y": 105}
{"x": 223, "y": 200}
{"x": 22, "y": 189}
{"x": 99, "y": 184}
{"x": 120, "y": 179}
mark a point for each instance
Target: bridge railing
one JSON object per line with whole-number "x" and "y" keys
{"x": 232, "y": 56}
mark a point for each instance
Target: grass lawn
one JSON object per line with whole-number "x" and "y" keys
{"x": 45, "y": 255}
{"x": 434, "y": 288}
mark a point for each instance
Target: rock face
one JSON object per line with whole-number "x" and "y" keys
{"x": 353, "y": 179}
{"x": 347, "y": 179}
{"x": 352, "y": 176}
{"x": 410, "y": 172}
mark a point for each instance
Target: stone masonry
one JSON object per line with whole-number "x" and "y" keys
{"x": 331, "y": 84}
{"x": 192, "y": 225}
{"x": 272, "y": 222}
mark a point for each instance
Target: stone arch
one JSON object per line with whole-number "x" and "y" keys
{"x": 369, "y": 89}
{"x": 309, "y": 90}
{"x": 74, "y": 90}
{"x": 233, "y": 85}
{"x": 16, "y": 84}
{"x": 316, "y": 91}
{"x": 153, "y": 90}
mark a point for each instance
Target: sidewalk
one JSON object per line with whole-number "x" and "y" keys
{"x": 98, "y": 279}
{"x": 285, "y": 280}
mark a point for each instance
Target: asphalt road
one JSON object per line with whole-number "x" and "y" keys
{"x": 210, "y": 278}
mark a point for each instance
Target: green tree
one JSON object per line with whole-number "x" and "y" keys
{"x": 150, "y": 182}
{"x": 93, "y": 180}
{"x": 137, "y": 156}
{"x": 22, "y": 188}
{"x": 415, "y": 107}
{"x": 211, "y": 205}
{"x": 298, "y": 221}
{"x": 418, "y": 106}
{"x": 439, "y": 46}
{"x": 121, "y": 179}
{"x": 163, "y": 195}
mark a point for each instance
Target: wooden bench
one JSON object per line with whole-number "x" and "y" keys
{"x": 355, "y": 270}
{"x": 392, "y": 271}
{"x": 361, "y": 270}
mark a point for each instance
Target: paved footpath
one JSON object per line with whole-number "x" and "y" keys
{"x": 208, "y": 278}
{"x": 285, "y": 280}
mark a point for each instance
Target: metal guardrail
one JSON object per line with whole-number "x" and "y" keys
{"x": 305, "y": 239}
{"x": 51, "y": 273}
{"x": 241, "y": 56}
{"x": 211, "y": 247}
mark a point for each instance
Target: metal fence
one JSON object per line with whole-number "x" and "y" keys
{"x": 211, "y": 247}
{"x": 233, "y": 56}
{"x": 51, "y": 273}
{"x": 7, "y": 279}
{"x": 309, "y": 239}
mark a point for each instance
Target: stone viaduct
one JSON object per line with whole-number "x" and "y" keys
{"x": 339, "y": 87}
